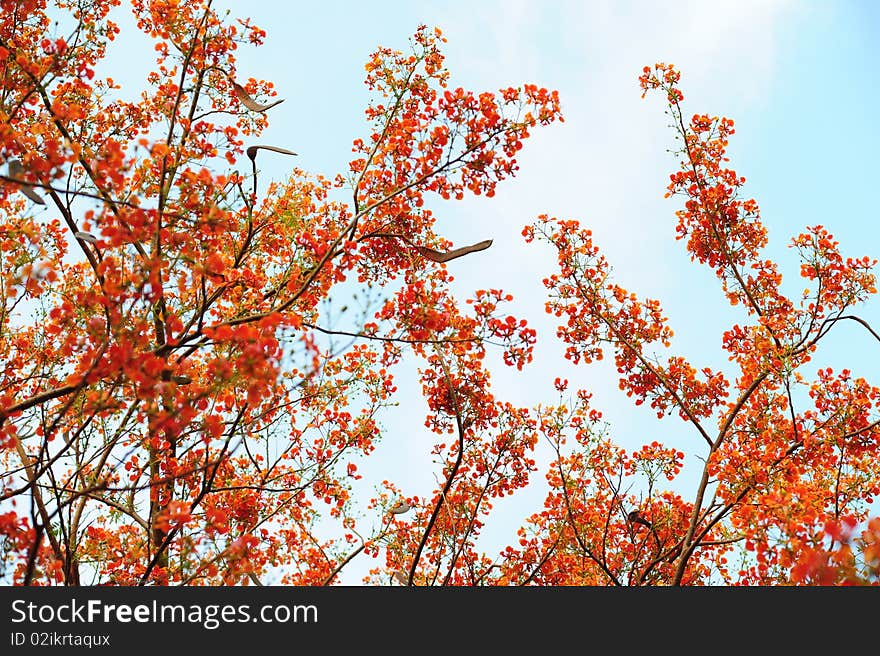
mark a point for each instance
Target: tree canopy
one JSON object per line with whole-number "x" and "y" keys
{"x": 171, "y": 414}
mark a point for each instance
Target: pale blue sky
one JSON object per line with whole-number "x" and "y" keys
{"x": 799, "y": 78}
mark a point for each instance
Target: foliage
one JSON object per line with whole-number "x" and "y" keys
{"x": 169, "y": 411}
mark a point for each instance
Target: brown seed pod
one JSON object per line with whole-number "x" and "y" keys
{"x": 16, "y": 170}
{"x": 438, "y": 256}
{"x": 252, "y": 151}
{"x": 249, "y": 102}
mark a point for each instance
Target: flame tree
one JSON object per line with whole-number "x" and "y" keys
{"x": 169, "y": 411}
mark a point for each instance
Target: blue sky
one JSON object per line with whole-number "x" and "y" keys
{"x": 799, "y": 79}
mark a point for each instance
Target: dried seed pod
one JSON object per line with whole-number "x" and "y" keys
{"x": 249, "y": 102}
{"x": 401, "y": 507}
{"x": 252, "y": 151}
{"x": 635, "y": 517}
{"x": 86, "y": 236}
{"x": 438, "y": 256}
{"x": 16, "y": 170}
